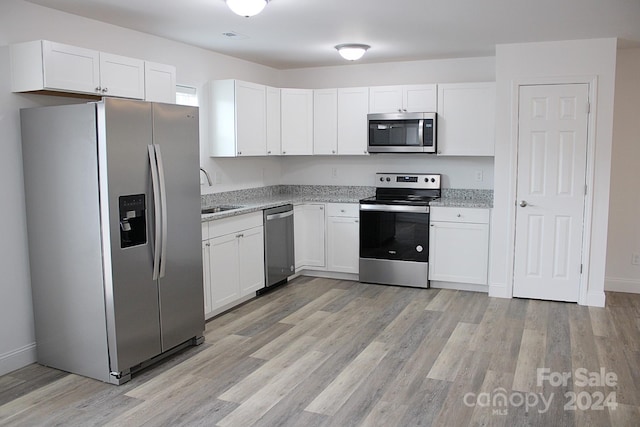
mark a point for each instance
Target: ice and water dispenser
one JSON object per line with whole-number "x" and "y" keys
{"x": 133, "y": 223}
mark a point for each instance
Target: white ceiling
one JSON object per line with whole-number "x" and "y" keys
{"x": 303, "y": 33}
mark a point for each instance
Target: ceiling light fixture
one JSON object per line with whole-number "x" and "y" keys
{"x": 352, "y": 51}
{"x": 247, "y": 8}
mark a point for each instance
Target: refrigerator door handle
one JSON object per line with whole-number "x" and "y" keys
{"x": 156, "y": 210}
{"x": 163, "y": 203}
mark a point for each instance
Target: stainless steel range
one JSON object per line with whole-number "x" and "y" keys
{"x": 394, "y": 229}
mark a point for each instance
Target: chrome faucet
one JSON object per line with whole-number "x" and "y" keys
{"x": 207, "y": 175}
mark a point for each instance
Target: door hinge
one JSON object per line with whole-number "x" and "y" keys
{"x": 588, "y": 108}
{"x": 585, "y": 189}
{"x": 580, "y": 268}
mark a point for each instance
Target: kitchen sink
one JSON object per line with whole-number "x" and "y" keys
{"x": 217, "y": 209}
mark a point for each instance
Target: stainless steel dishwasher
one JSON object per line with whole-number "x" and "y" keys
{"x": 279, "y": 262}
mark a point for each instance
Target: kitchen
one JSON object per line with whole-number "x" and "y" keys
{"x": 196, "y": 67}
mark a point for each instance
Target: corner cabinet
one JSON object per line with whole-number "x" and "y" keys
{"x": 309, "y": 235}
{"x": 343, "y": 237}
{"x": 43, "y": 65}
{"x": 403, "y": 98}
{"x": 466, "y": 119}
{"x": 459, "y": 245}
{"x": 234, "y": 261}
{"x": 238, "y": 119}
{"x": 296, "y": 108}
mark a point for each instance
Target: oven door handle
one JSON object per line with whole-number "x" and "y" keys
{"x": 394, "y": 208}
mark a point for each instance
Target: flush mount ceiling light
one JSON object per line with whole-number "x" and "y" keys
{"x": 246, "y": 8}
{"x": 352, "y": 51}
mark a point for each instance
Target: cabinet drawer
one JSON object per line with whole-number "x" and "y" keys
{"x": 234, "y": 224}
{"x": 451, "y": 214}
{"x": 343, "y": 209}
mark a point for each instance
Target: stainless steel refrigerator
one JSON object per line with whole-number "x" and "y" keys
{"x": 113, "y": 217}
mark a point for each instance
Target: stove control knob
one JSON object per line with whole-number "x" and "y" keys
{"x": 381, "y": 179}
{"x": 433, "y": 180}
{"x": 388, "y": 179}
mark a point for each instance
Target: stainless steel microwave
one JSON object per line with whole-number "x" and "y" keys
{"x": 402, "y": 133}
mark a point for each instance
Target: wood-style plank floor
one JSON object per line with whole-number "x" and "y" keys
{"x": 320, "y": 352}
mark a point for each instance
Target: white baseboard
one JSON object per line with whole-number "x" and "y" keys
{"x": 619, "y": 284}
{"x": 499, "y": 291}
{"x": 458, "y": 286}
{"x": 17, "y": 358}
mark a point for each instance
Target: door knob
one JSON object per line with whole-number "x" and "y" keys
{"x": 523, "y": 203}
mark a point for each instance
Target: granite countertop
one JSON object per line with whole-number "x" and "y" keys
{"x": 257, "y": 199}
{"x": 464, "y": 198}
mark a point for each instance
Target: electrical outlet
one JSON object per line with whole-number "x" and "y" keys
{"x": 334, "y": 172}
{"x": 479, "y": 176}
{"x": 635, "y": 258}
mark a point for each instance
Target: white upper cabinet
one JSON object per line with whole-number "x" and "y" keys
{"x": 353, "y": 106}
{"x": 325, "y": 121}
{"x": 122, "y": 76}
{"x": 273, "y": 122}
{"x": 238, "y": 119}
{"x": 340, "y": 121}
{"x": 466, "y": 119}
{"x": 42, "y": 65}
{"x": 403, "y": 98}
{"x": 297, "y": 121}
{"x": 159, "y": 82}
{"x": 45, "y": 65}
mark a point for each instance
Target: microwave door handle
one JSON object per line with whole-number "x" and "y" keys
{"x": 421, "y": 132}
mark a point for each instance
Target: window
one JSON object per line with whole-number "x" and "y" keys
{"x": 186, "y": 95}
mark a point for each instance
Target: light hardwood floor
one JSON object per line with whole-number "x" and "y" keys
{"x": 322, "y": 352}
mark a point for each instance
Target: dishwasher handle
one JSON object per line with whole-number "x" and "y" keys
{"x": 279, "y": 215}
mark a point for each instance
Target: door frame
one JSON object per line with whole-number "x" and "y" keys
{"x": 592, "y": 82}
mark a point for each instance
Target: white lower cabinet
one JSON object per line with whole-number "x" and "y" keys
{"x": 459, "y": 245}
{"x": 343, "y": 237}
{"x": 234, "y": 261}
{"x": 309, "y": 235}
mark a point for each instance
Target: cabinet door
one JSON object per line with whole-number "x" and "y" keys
{"x": 419, "y": 98}
{"x": 70, "y": 68}
{"x": 385, "y": 99}
{"x": 353, "y": 106}
{"x": 273, "y": 122}
{"x": 225, "y": 285}
{"x": 325, "y": 121}
{"x": 458, "y": 252}
{"x": 159, "y": 82}
{"x": 251, "y": 254}
{"x": 466, "y": 119}
{"x": 343, "y": 244}
{"x": 309, "y": 231}
{"x": 121, "y": 76}
{"x": 297, "y": 121}
{"x": 251, "y": 119}
{"x": 206, "y": 275}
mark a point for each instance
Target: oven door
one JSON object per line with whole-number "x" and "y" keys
{"x": 394, "y": 232}
{"x": 394, "y": 245}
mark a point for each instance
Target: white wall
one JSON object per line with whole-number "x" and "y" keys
{"x": 624, "y": 204}
{"x": 551, "y": 61}
{"x": 22, "y": 21}
{"x": 360, "y": 170}
{"x": 480, "y": 69}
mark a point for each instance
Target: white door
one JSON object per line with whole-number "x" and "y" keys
{"x": 552, "y": 153}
